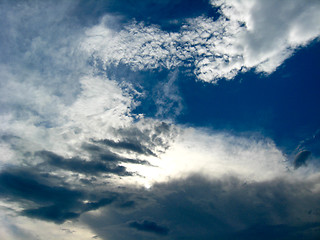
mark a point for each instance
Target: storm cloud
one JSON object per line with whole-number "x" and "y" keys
{"x": 227, "y": 208}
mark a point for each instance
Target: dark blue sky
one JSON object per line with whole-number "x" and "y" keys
{"x": 169, "y": 15}
{"x": 283, "y": 105}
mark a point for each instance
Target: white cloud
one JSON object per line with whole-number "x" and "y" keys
{"x": 100, "y": 106}
{"x": 254, "y": 34}
{"x": 218, "y": 154}
{"x": 50, "y": 96}
{"x": 274, "y": 29}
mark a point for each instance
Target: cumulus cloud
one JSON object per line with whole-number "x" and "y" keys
{"x": 246, "y": 35}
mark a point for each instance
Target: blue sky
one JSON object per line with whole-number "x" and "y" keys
{"x": 159, "y": 119}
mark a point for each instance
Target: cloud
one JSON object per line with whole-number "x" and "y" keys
{"x": 54, "y": 213}
{"x": 53, "y": 203}
{"x": 220, "y": 153}
{"x": 60, "y": 213}
{"x": 127, "y": 145}
{"x": 79, "y": 165}
{"x": 246, "y": 35}
{"x": 149, "y": 226}
{"x": 21, "y": 184}
{"x": 168, "y": 99}
{"x": 76, "y": 154}
{"x": 206, "y": 184}
{"x": 223, "y": 208}
{"x": 15, "y": 227}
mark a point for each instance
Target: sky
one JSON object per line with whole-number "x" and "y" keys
{"x": 149, "y": 119}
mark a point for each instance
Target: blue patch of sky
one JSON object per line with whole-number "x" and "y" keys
{"x": 283, "y": 105}
{"x": 170, "y": 15}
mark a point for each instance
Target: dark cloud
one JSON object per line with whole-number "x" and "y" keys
{"x": 228, "y": 208}
{"x": 22, "y": 184}
{"x": 101, "y": 203}
{"x": 149, "y": 226}
{"x": 265, "y": 232}
{"x": 53, "y": 203}
{"x": 60, "y": 212}
{"x": 55, "y": 213}
{"x": 301, "y": 158}
{"x": 127, "y": 204}
{"x": 127, "y": 145}
{"x": 102, "y": 154}
{"x": 79, "y": 165}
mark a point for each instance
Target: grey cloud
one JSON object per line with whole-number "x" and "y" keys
{"x": 79, "y": 165}
{"x": 307, "y": 231}
{"x": 99, "y": 153}
{"x": 149, "y": 226}
{"x": 55, "y": 213}
{"x": 96, "y": 205}
{"x": 191, "y": 208}
{"x": 59, "y": 213}
{"x": 227, "y": 208}
{"x": 53, "y": 203}
{"x": 127, "y": 204}
{"x": 22, "y": 184}
{"x": 127, "y": 145}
